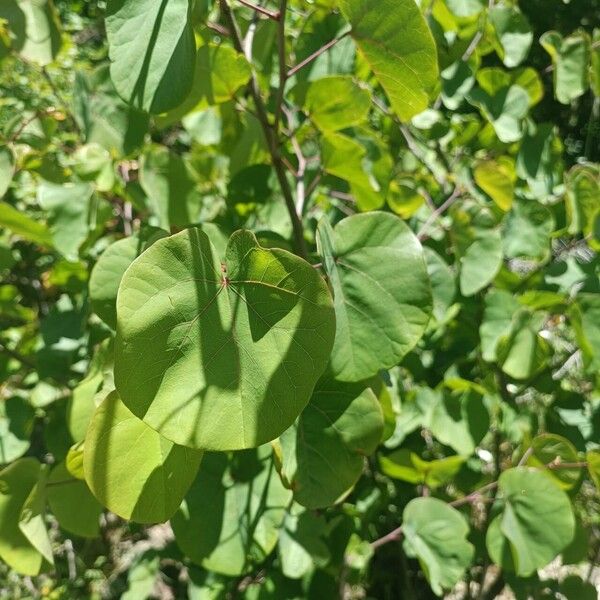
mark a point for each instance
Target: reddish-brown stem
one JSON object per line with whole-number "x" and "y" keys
{"x": 475, "y": 495}
{"x": 396, "y": 534}
{"x": 567, "y": 465}
{"x": 270, "y": 134}
{"x": 392, "y": 536}
{"x": 263, "y": 11}
{"x": 316, "y": 54}
{"x": 218, "y": 28}
{"x": 438, "y": 212}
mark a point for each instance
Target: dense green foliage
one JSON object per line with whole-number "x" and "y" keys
{"x": 314, "y": 283}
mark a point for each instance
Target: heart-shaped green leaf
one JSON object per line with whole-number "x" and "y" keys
{"x": 323, "y": 453}
{"x": 549, "y": 448}
{"x": 407, "y": 466}
{"x": 17, "y": 482}
{"x": 513, "y": 32}
{"x": 382, "y": 294}
{"x": 436, "y": 533}
{"x": 69, "y": 212}
{"x": 334, "y": 103}
{"x": 152, "y": 51}
{"x": 35, "y": 27}
{"x": 497, "y": 180}
{"x": 108, "y": 271}
{"x": 571, "y": 58}
{"x": 527, "y": 230}
{"x": 131, "y": 469}
{"x": 220, "y": 355}
{"x": 394, "y": 39}
{"x": 535, "y": 525}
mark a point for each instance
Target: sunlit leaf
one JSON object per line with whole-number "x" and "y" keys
{"x": 505, "y": 110}
{"x": 497, "y": 180}
{"x": 396, "y": 42}
{"x": 500, "y": 308}
{"x": 435, "y": 534}
{"x": 481, "y": 262}
{"x": 443, "y": 283}
{"x": 523, "y": 352}
{"x": 225, "y": 340}
{"x": 570, "y": 57}
{"x": 369, "y": 257}
{"x": 407, "y": 466}
{"x": 131, "y": 469}
{"x": 108, "y": 271}
{"x": 16, "y": 427}
{"x": 323, "y": 453}
{"x": 527, "y": 230}
{"x": 301, "y": 543}
{"x": 24, "y": 226}
{"x": 513, "y": 32}
{"x": 334, "y": 103}
{"x": 168, "y": 182}
{"x": 152, "y": 51}
{"x": 35, "y": 26}
{"x": 552, "y": 449}
{"x": 70, "y": 214}
{"x": 219, "y": 73}
{"x": 16, "y": 484}
{"x": 7, "y": 168}
{"x": 535, "y": 524}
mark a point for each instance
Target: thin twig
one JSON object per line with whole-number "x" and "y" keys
{"x": 127, "y": 218}
{"x": 64, "y": 103}
{"x": 24, "y": 124}
{"x": 477, "y": 37}
{"x": 270, "y": 136}
{"x": 392, "y": 536}
{"x": 439, "y": 211}
{"x": 342, "y": 196}
{"x": 396, "y": 534}
{"x": 476, "y": 495}
{"x": 525, "y": 456}
{"x": 346, "y": 209}
{"x": 260, "y": 9}
{"x": 473, "y": 45}
{"x": 290, "y": 166}
{"x": 313, "y": 184}
{"x": 316, "y": 54}
{"x": 557, "y": 464}
{"x": 217, "y": 28}
{"x": 282, "y": 67}
{"x": 300, "y": 190}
